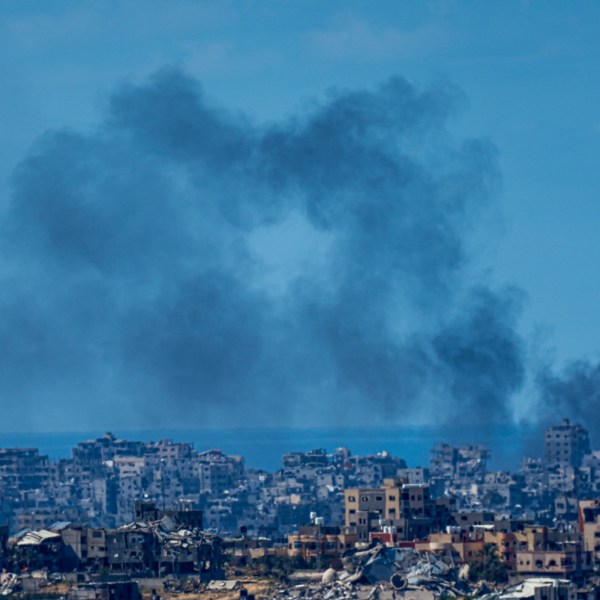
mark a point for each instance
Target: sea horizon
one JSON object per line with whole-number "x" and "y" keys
{"x": 263, "y": 447}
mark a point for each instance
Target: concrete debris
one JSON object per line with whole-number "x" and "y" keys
{"x": 35, "y": 538}
{"x": 225, "y": 585}
{"x": 176, "y": 548}
{"x": 381, "y": 572}
{"x": 329, "y": 576}
{"x": 384, "y": 573}
{"x": 189, "y": 585}
{"x": 553, "y": 588}
{"x": 9, "y": 583}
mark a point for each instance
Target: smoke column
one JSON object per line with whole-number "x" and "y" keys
{"x": 183, "y": 264}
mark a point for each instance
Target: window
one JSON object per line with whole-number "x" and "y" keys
{"x": 351, "y": 499}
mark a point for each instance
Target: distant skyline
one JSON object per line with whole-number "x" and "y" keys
{"x": 523, "y": 81}
{"x": 264, "y": 447}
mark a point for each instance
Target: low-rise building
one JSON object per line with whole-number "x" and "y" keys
{"x": 315, "y": 541}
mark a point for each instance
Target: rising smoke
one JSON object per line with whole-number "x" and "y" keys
{"x": 574, "y": 392}
{"x": 138, "y": 281}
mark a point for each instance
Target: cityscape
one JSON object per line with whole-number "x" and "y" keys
{"x": 298, "y": 300}
{"x": 125, "y": 508}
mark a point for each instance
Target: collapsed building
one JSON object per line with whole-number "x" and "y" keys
{"x": 160, "y": 543}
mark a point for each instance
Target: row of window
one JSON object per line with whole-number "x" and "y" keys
{"x": 314, "y": 546}
{"x": 390, "y": 498}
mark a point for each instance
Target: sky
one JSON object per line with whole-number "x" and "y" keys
{"x": 498, "y": 99}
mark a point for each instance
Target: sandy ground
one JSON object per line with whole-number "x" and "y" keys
{"x": 257, "y": 587}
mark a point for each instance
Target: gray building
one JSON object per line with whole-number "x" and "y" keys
{"x": 565, "y": 445}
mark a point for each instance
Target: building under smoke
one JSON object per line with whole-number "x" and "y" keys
{"x": 565, "y": 445}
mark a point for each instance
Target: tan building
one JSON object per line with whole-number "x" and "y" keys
{"x": 407, "y": 507}
{"x": 507, "y": 546}
{"x": 551, "y": 562}
{"x": 314, "y": 541}
{"x": 468, "y": 548}
{"x": 589, "y": 525}
{"x": 85, "y": 545}
{"x": 364, "y": 508}
{"x": 545, "y": 551}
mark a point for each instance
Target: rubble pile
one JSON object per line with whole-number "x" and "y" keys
{"x": 381, "y": 572}
{"x": 9, "y": 583}
{"x": 177, "y": 544}
{"x": 171, "y": 533}
{"x": 186, "y": 585}
{"x": 550, "y": 587}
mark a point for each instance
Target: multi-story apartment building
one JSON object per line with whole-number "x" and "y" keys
{"x": 463, "y": 462}
{"x": 589, "y": 525}
{"x": 23, "y": 469}
{"x": 565, "y": 445}
{"x": 219, "y": 472}
{"x": 406, "y": 507}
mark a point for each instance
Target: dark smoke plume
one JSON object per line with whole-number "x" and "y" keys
{"x": 573, "y": 393}
{"x": 140, "y": 279}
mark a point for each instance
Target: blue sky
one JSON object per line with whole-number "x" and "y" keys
{"x": 528, "y": 72}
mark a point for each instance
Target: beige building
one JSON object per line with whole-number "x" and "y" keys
{"x": 407, "y": 507}
{"x": 545, "y": 551}
{"x": 507, "y": 545}
{"x": 589, "y": 525}
{"x": 314, "y": 541}
{"x": 365, "y": 508}
{"x": 467, "y": 548}
{"x": 551, "y": 562}
{"x": 85, "y": 544}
